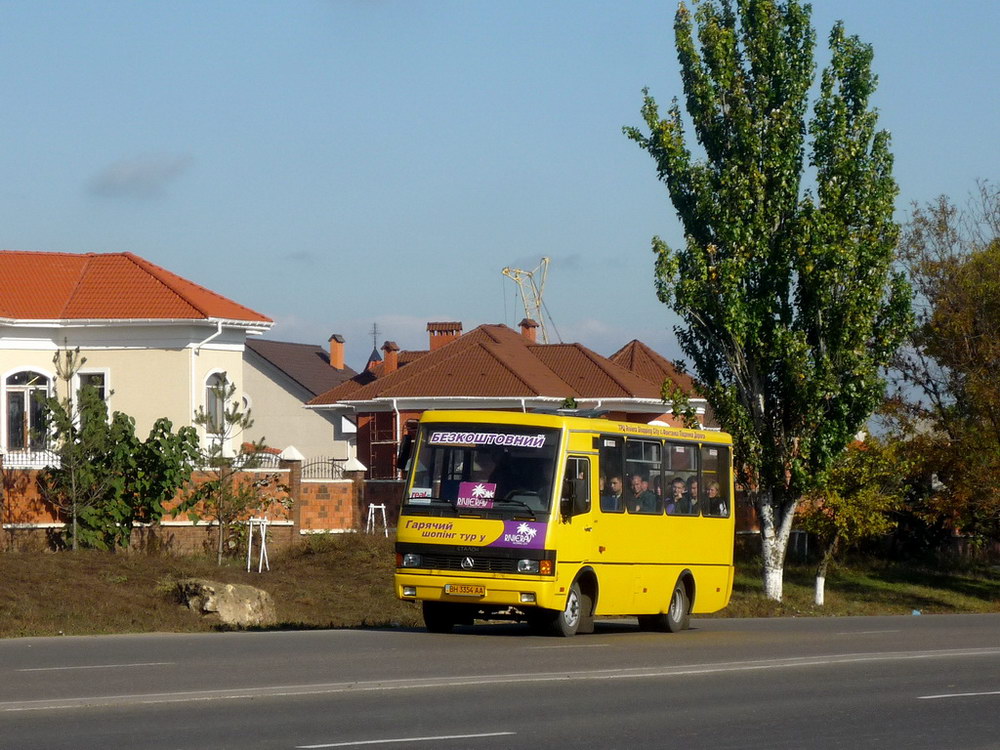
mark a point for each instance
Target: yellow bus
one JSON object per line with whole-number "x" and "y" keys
{"x": 555, "y": 519}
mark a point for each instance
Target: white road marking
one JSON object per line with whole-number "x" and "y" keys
{"x": 568, "y": 645}
{"x": 407, "y": 739}
{"x": 458, "y": 681}
{"x": 99, "y": 666}
{"x": 956, "y": 695}
{"x": 865, "y": 632}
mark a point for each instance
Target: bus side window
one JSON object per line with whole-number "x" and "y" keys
{"x": 715, "y": 481}
{"x": 612, "y": 486}
{"x": 683, "y": 492}
{"x": 642, "y": 466}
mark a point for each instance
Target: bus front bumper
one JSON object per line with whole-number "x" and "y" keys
{"x": 492, "y": 592}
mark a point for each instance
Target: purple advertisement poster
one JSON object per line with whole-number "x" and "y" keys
{"x": 476, "y": 494}
{"x": 521, "y": 534}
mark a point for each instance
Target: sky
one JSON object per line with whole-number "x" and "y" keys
{"x": 335, "y": 164}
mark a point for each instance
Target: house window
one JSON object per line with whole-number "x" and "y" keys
{"x": 215, "y": 402}
{"x": 25, "y": 407}
{"x": 97, "y": 381}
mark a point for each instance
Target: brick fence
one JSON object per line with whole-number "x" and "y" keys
{"x": 318, "y": 506}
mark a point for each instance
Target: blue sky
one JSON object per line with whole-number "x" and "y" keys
{"x": 337, "y": 163}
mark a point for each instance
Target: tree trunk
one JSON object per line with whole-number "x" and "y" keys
{"x": 76, "y": 528}
{"x": 776, "y": 529}
{"x": 824, "y": 564}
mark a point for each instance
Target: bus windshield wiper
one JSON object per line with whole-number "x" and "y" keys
{"x": 521, "y": 503}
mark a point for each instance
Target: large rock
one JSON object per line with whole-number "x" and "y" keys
{"x": 235, "y": 604}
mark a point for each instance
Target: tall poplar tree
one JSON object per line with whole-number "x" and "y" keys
{"x": 788, "y": 302}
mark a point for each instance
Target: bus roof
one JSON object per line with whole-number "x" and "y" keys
{"x": 576, "y": 423}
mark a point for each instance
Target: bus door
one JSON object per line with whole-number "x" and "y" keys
{"x": 576, "y": 545}
{"x": 612, "y": 527}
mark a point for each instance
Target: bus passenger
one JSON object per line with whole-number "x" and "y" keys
{"x": 643, "y": 499}
{"x": 692, "y": 494}
{"x": 658, "y": 487}
{"x": 611, "y": 498}
{"x": 678, "y": 502}
{"x": 716, "y": 503}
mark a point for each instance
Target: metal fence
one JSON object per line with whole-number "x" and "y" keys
{"x": 320, "y": 467}
{"x": 324, "y": 467}
{"x": 264, "y": 461}
{"x": 29, "y": 459}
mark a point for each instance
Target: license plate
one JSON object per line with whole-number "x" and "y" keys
{"x": 464, "y": 589}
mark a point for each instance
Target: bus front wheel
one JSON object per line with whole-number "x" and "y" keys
{"x": 439, "y": 617}
{"x": 567, "y": 622}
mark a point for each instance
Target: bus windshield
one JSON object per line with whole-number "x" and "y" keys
{"x": 494, "y": 471}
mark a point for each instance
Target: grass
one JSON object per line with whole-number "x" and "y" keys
{"x": 867, "y": 587}
{"x": 345, "y": 580}
{"x": 342, "y": 580}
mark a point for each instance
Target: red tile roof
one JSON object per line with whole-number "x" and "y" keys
{"x": 638, "y": 358}
{"x": 105, "y": 286}
{"x": 494, "y": 361}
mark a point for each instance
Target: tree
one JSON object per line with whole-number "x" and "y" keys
{"x": 79, "y": 431}
{"x": 788, "y": 304}
{"x": 229, "y": 494}
{"x": 948, "y": 393}
{"x": 106, "y": 479}
{"x": 146, "y": 474}
{"x": 856, "y": 500}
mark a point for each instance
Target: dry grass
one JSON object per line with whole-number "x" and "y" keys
{"x": 345, "y": 580}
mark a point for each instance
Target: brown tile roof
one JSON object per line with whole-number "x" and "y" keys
{"x": 105, "y": 286}
{"x": 591, "y": 374}
{"x": 638, "y": 358}
{"x": 494, "y": 361}
{"x": 403, "y": 358}
{"x": 307, "y": 365}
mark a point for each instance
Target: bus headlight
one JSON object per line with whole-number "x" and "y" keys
{"x": 527, "y": 566}
{"x": 410, "y": 560}
{"x": 536, "y": 567}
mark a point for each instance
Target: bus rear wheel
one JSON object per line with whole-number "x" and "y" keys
{"x": 677, "y": 616}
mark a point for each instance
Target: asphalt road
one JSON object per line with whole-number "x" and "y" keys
{"x": 879, "y": 682}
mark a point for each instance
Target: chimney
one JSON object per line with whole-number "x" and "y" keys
{"x": 390, "y": 357}
{"x": 529, "y": 329}
{"x": 443, "y": 333}
{"x": 337, "y": 351}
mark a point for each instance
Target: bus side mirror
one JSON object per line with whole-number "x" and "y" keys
{"x": 405, "y": 449}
